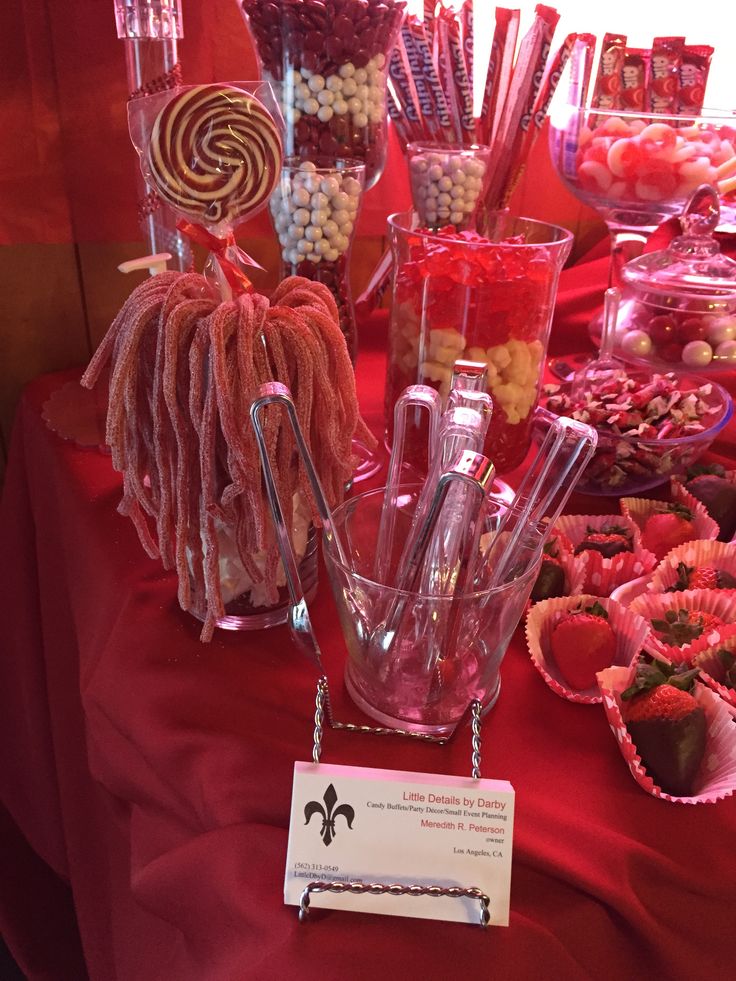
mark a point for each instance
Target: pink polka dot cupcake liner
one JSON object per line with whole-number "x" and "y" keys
{"x": 716, "y": 778}
{"x": 629, "y": 628}
{"x": 655, "y": 606}
{"x": 603, "y": 575}
{"x": 693, "y": 555}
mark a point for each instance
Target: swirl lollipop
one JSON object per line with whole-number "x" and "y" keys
{"x": 214, "y": 153}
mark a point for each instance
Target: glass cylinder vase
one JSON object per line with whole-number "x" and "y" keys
{"x": 314, "y": 211}
{"x": 328, "y": 61}
{"x": 485, "y": 296}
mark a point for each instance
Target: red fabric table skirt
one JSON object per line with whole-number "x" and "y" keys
{"x": 145, "y": 779}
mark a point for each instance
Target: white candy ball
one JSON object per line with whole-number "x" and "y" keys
{"x": 347, "y": 228}
{"x": 636, "y": 342}
{"x": 304, "y": 245}
{"x": 296, "y": 232}
{"x": 300, "y": 197}
{"x": 697, "y": 354}
{"x": 456, "y": 217}
{"x": 329, "y": 186}
{"x": 457, "y": 191}
{"x": 726, "y": 351}
{"x": 339, "y": 107}
{"x": 445, "y": 184}
{"x": 360, "y": 75}
{"x": 349, "y": 87}
{"x": 435, "y": 172}
{"x": 302, "y": 92}
{"x": 351, "y": 186}
{"x": 313, "y": 233}
{"x": 444, "y": 199}
{"x": 346, "y": 70}
{"x": 316, "y": 83}
{"x": 443, "y": 212}
{"x": 325, "y": 97}
{"x": 314, "y": 257}
{"x": 339, "y": 242}
{"x": 355, "y": 105}
{"x": 322, "y": 246}
{"x": 301, "y": 216}
{"x": 433, "y": 191}
{"x": 325, "y": 113}
{"x": 329, "y": 229}
{"x": 319, "y": 200}
{"x": 311, "y": 182}
{"x": 341, "y": 217}
{"x": 339, "y": 201}
{"x": 334, "y": 83}
{"x": 360, "y": 120}
{"x": 458, "y": 176}
{"x": 311, "y": 107}
{"x": 331, "y": 255}
{"x": 722, "y": 329}
{"x": 320, "y": 216}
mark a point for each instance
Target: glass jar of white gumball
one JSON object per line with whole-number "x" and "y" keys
{"x": 447, "y": 182}
{"x": 315, "y": 209}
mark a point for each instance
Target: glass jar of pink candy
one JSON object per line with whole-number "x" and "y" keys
{"x": 328, "y": 60}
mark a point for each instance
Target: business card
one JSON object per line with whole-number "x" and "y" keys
{"x": 359, "y": 824}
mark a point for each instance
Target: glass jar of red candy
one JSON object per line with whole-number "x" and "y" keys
{"x": 328, "y": 60}
{"x": 485, "y": 296}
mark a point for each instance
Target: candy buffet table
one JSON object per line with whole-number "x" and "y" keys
{"x": 145, "y": 780}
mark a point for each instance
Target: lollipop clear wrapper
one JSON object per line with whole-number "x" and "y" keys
{"x": 214, "y": 154}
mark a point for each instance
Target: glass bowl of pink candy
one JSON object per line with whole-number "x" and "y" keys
{"x": 650, "y": 427}
{"x": 644, "y": 164}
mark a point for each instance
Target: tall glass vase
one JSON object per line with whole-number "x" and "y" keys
{"x": 150, "y": 30}
{"x": 314, "y": 211}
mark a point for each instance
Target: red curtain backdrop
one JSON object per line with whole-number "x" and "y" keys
{"x": 67, "y": 166}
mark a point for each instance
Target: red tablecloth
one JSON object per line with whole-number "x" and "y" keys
{"x": 146, "y": 778}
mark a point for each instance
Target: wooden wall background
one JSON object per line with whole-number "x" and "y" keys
{"x": 67, "y": 199}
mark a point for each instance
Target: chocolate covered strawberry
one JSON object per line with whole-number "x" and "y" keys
{"x": 701, "y": 577}
{"x": 667, "y": 726}
{"x": 728, "y": 663}
{"x": 718, "y": 495}
{"x": 583, "y": 644}
{"x": 670, "y": 526}
{"x": 609, "y": 540}
{"x": 551, "y": 577}
{"x": 680, "y": 627}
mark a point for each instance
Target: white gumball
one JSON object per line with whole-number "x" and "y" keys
{"x": 326, "y": 97}
{"x": 361, "y": 120}
{"x": 722, "y": 329}
{"x": 325, "y": 113}
{"x": 334, "y": 83}
{"x": 697, "y": 354}
{"x": 304, "y": 246}
{"x": 340, "y": 217}
{"x": 726, "y": 351}
{"x": 313, "y": 233}
{"x": 339, "y": 107}
{"x": 456, "y": 217}
{"x": 637, "y": 343}
{"x": 301, "y": 216}
{"x": 311, "y": 107}
{"x": 347, "y": 70}
{"x": 340, "y": 201}
{"x": 319, "y": 200}
{"x": 331, "y": 255}
{"x": 349, "y": 88}
{"x": 316, "y": 83}
{"x": 307, "y": 167}
{"x": 300, "y": 197}
{"x": 329, "y": 186}
{"x": 330, "y": 229}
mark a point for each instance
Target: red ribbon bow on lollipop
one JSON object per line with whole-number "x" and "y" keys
{"x": 219, "y": 248}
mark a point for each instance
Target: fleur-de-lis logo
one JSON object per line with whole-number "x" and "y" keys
{"x": 327, "y": 831}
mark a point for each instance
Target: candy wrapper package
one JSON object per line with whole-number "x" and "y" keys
{"x": 629, "y": 629}
{"x": 213, "y": 153}
{"x": 716, "y": 778}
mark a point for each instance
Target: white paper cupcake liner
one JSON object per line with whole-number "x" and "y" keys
{"x": 640, "y": 509}
{"x": 604, "y": 575}
{"x": 682, "y": 494}
{"x": 717, "y": 776}
{"x": 629, "y": 628}
{"x": 653, "y": 606}
{"x": 712, "y": 672}
{"x": 696, "y": 554}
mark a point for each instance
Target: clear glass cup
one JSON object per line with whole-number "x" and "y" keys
{"x": 485, "y": 297}
{"x": 315, "y": 210}
{"x": 328, "y": 59}
{"x": 637, "y": 168}
{"x": 444, "y": 655}
{"x": 447, "y": 182}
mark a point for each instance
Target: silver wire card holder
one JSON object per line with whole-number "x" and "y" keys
{"x": 478, "y": 473}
